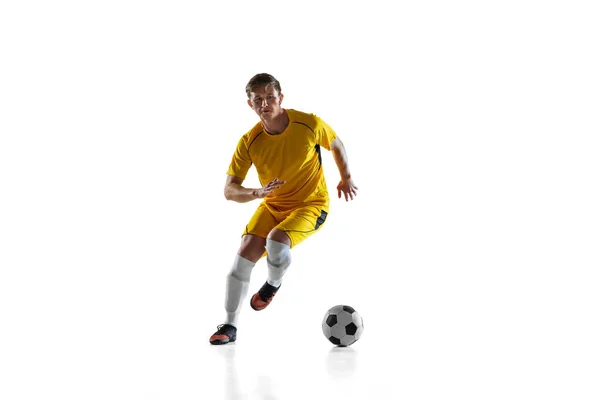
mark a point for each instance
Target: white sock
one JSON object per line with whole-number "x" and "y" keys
{"x": 278, "y": 260}
{"x": 238, "y": 281}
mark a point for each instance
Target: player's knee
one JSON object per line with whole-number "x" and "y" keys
{"x": 278, "y": 254}
{"x": 241, "y": 269}
{"x": 252, "y": 247}
{"x": 279, "y": 236}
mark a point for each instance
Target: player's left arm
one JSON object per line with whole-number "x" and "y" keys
{"x": 340, "y": 157}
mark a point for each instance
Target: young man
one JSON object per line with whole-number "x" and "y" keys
{"x": 285, "y": 148}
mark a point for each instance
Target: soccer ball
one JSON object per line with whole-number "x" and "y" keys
{"x": 342, "y": 325}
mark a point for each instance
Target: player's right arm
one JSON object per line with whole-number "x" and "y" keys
{"x": 236, "y": 192}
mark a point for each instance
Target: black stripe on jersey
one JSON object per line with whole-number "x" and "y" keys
{"x": 255, "y": 137}
{"x": 302, "y": 123}
{"x": 318, "y": 149}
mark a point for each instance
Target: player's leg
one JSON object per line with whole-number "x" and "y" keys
{"x": 251, "y": 250}
{"x": 238, "y": 279}
{"x": 298, "y": 226}
{"x": 278, "y": 259}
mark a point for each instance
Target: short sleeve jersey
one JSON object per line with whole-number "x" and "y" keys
{"x": 293, "y": 156}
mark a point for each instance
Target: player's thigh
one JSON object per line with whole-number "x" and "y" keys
{"x": 302, "y": 223}
{"x": 252, "y": 247}
{"x": 259, "y": 226}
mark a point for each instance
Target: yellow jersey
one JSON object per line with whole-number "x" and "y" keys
{"x": 293, "y": 156}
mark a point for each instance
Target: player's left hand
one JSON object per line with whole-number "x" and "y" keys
{"x": 348, "y": 187}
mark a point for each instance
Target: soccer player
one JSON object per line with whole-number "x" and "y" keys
{"x": 285, "y": 148}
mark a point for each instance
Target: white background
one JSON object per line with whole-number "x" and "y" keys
{"x": 472, "y": 250}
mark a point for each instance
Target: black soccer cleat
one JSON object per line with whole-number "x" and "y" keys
{"x": 263, "y": 297}
{"x": 225, "y": 334}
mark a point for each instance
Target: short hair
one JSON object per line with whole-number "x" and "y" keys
{"x": 262, "y": 80}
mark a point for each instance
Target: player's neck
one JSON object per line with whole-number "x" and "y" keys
{"x": 277, "y": 124}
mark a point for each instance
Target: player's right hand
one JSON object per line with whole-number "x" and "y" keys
{"x": 268, "y": 188}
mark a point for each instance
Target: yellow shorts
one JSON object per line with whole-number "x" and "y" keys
{"x": 298, "y": 223}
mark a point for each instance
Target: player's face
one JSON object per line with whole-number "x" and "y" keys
{"x": 266, "y": 101}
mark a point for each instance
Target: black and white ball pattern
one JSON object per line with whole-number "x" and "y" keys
{"x": 342, "y": 325}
